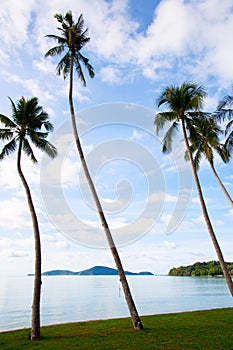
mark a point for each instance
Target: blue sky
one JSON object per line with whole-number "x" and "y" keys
{"x": 137, "y": 47}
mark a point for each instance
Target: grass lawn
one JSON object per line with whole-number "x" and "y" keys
{"x": 212, "y": 329}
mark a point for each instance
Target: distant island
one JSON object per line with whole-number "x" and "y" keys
{"x": 210, "y": 268}
{"x": 94, "y": 271}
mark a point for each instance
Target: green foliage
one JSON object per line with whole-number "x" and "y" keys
{"x": 71, "y": 41}
{"x": 224, "y": 112}
{"x": 184, "y": 103}
{"x": 211, "y": 268}
{"x": 189, "y": 330}
{"x": 204, "y": 139}
{"x": 27, "y": 125}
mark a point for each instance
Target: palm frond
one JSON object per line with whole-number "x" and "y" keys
{"x": 28, "y": 150}
{"x": 50, "y": 150}
{"x": 45, "y": 146}
{"x": 224, "y": 109}
{"x": 80, "y": 24}
{"x": 229, "y": 143}
{"x": 224, "y": 153}
{"x": 68, "y": 19}
{"x": 197, "y": 160}
{"x": 227, "y": 101}
{"x": 56, "y": 50}
{"x": 162, "y": 118}
{"x": 58, "y": 17}
{"x": 6, "y": 134}
{"x": 36, "y": 135}
{"x": 79, "y": 72}
{"x": 209, "y": 153}
{"x": 9, "y": 148}
{"x": 64, "y": 65}
{"x": 229, "y": 127}
{"x": 14, "y": 110}
{"x": 7, "y": 121}
{"x": 186, "y": 156}
{"x": 87, "y": 65}
{"x": 167, "y": 140}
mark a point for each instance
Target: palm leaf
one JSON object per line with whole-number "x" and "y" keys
{"x": 7, "y": 121}
{"x": 162, "y": 118}
{"x": 87, "y": 65}
{"x": 229, "y": 143}
{"x": 9, "y": 148}
{"x": 57, "y": 50}
{"x": 224, "y": 153}
{"x": 79, "y": 71}
{"x": 6, "y": 134}
{"x": 197, "y": 160}
{"x": 228, "y": 100}
{"x": 28, "y": 150}
{"x": 49, "y": 149}
{"x": 64, "y": 65}
{"x": 229, "y": 127}
{"x": 167, "y": 140}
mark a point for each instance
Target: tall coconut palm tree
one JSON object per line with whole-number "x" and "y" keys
{"x": 27, "y": 124}
{"x": 73, "y": 38}
{"x": 204, "y": 140}
{"x": 185, "y": 103}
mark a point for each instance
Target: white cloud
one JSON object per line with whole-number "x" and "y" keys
{"x": 229, "y": 214}
{"x": 15, "y": 214}
{"x": 44, "y": 65}
{"x": 112, "y": 75}
{"x": 17, "y": 254}
{"x": 14, "y": 20}
{"x": 200, "y": 30}
{"x": 30, "y": 85}
{"x": 3, "y": 57}
{"x": 170, "y": 245}
{"x": 70, "y": 173}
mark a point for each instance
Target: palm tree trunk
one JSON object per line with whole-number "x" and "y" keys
{"x": 132, "y": 308}
{"x": 221, "y": 184}
{"x": 206, "y": 215}
{"x": 35, "y": 329}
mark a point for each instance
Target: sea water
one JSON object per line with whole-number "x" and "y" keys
{"x": 80, "y": 298}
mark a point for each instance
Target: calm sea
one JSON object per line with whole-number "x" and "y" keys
{"x": 79, "y": 298}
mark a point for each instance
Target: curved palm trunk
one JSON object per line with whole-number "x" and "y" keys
{"x": 221, "y": 184}
{"x": 206, "y": 215}
{"x": 132, "y": 308}
{"x": 35, "y": 329}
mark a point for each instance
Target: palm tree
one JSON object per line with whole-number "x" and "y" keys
{"x": 224, "y": 110}
{"x": 185, "y": 103}
{"x": 27, "y": 124}
{"x": 204, "y": 140}
{"x": 73, "y": 38}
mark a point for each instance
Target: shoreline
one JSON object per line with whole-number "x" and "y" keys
{"x": 117, "y": 318}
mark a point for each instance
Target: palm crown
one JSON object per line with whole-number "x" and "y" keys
{"x": 224, "y": 110}
{"x": 184, "y": 103}
{"x": 204, "y": 140}
{"x": 73, "y": 38}
{"x": 27, "y": 123}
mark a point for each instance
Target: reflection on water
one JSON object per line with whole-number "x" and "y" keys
{"x": 79, "y": 298}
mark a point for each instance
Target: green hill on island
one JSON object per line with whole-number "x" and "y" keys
{"x": 93, "y": 271}
{"x": 210, "y": 268}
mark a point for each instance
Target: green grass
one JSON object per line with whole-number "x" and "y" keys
{"x": 190, "y": 330}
